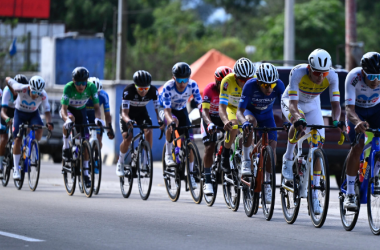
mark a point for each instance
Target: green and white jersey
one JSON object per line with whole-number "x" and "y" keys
{"x": 72, "y": 98}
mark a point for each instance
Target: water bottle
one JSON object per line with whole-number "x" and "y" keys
{"x": 177, "y": 156}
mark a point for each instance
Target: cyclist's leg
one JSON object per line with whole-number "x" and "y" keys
{"x": 123, "y": 147}
{"x": 250, "y": 116}
{"x": 209, "y": 142}
{"x": 168, "y": 157}
{"x": 3, "y": 143}
{"x": 231, "y": 113}
{"x": 19, "y": 118}
{"x": 35, "y": 119}
{"x": 66, "y": 151}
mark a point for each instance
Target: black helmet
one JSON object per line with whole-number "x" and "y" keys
{"x": 142, "y": 78}
{"x": 181, "y": 70}
{"x": 80, "y": 74}
{"x": 370, "y": 63}
{"x": 21, "y": 79}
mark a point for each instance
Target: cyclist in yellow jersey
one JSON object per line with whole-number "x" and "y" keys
{"x": 230, "y": 92}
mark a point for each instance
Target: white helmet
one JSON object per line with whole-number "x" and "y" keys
{"x": 244, "y": 68}
{"x": 96, "y": 81}
{"x": 267, "y": 73}
{"x": 320, "y": 60}
{"x": 37, "y": 83}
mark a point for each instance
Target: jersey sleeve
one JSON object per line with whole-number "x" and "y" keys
{"x": 7, "y": 96}
{"x": 15, "y": 85}
{"x": 280, "y": 89}
{"x": 196, "y": 93}
{"x": 126, "y": 99}
{"x": 334, "y": 86}
{"x": 246, "y": 95}
{"x": 94, "y": 94}
{"x": 65, "y": 95}
{"x": 45, "y": 102}
{"x": 106, "y": 101}
{"x": 166, "y": 97}
{"x": 207, "y": 95}
{"x": 350, "y": 90}
{"x": 294, "y": 80}
{"x": 223, "y": 97}
{"x": 156, "y": 102}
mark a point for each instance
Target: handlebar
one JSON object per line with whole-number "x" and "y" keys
{"x": 23, "y": 128}
{"x": 143, "y": 126}
{"x": 343, "y": 135}
{"x": 357, "y": 137}
{"x": 173, "y": 125}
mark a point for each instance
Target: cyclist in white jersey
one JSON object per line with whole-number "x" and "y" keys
{"x": 175, "y": 94}
{"x": 301, "y": 102}
{"x": 29, "y": 98}
{"x": 362, "y": 111}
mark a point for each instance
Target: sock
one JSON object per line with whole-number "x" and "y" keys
{"x": 121, "y": 157}
{"x": 267, "y": 176}
{"x": 208, "y": 175}
{"x": 375, "y": 169}
{"x": 85, "y": 163}
{"x": 316, "y": 179}
{"x": 245, "y": 153}
{"x": 226, "y": 152}
{"x": 350, "y": 184}
{"x": 1, "y": 162}
{"x": 168, "y": 148}
{"x": 289, "y": 150}
{"x": 16, "y": 161}
{"x": 191, "y": 166}
{"x": 65, "y": 142}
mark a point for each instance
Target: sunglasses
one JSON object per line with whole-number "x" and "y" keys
{"x": 33, "y": 92}
{"x": 372, "y": 77}
{"x": 268, "y": 85}
{"x": 182, "y": 80}
{"x": 142, "y": 88}
{"x": 318, "y": 73}
{"x": 244, "y": 80}
{"x": 81, "y": 83}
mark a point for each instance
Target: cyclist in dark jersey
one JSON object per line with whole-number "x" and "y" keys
{"x": 133, "y": 111}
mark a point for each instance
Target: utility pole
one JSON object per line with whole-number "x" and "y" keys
{"x": 121, "y": 40}
{"x": 350, "y": 33}
{"x": 289, "y": 42}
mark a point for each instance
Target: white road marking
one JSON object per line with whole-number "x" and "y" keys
{"x": 20, "y": 237}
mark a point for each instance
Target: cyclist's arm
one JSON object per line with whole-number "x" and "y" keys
{"x": 240, "y": 115}
{"x": 125, "y": 115}
{"x": 206, "y": 115}
{"x": 168, "y": 115}
{"x": 351, "y": 114}
{"x": 106, "y": 107}
{"x": 293, "y": 109}
{"x": 64, "y": 112}
{"x": 97, "y": 111}
{"x": 13, "y": 85}
{"x": 336, "y": 111}
{"x": 48, "y": 117}
{"x": 4, "y": 113}
{"x": 223, "y": 113}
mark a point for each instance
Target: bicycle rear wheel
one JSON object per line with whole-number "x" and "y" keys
{"x": 145, "y": 170}
{"x": 126, "y": 182}
{"x": 196, "y": 191}
{"x": 373, "y": 205}
{"x": 34, "y": 165}
{"x": 348, "y": 218}
{"x": 248, "y": 197}
{"x": 233, "y": 191}
{"x": 322, "y": 192}
{"x": 19, "y": 183}
{"x": 7, "y": 166}
{"x": 268, "y": 199}
{"x": 97, "y": 157}
{"x": 210, "y": 199}
{"x": 171, "y": 178}
{"x": 69, "y": 178}
{"x": 87, "y": 171}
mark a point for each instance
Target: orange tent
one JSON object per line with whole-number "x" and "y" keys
{"x": 203, "y": 69}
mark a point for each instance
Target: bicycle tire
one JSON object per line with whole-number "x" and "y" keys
{"x": 235, "y": 196}
{"x": 19, "y": 183}
{"x": 97, "y": 158}
{"x": 225, "y": 190}
{"x": 170, "y": 180}
{"x": 7, "y": 164}
{"x": 80, "y": 183}
{"x": 144, "y": 174}
{"x": 34, "y": 165}
{"x": 85, "y": 147}
{"x": 373, "y": 198}
{"x": 248, "y": 197}
{"x": 210, "y": 199}
{"x": 348, "y": 218}
{"x": 324, "y": 193}
{"x": 197, "y": 173}
{"x": 269, "y": 208}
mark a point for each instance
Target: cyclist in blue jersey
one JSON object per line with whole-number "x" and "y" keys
{"x": 103, "y": 100}
{"x": 256, "y": 108}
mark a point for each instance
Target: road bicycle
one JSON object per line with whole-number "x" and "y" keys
{"x": 8, "y": 158}
{"x": 138, "y": 163}
{"x": 173, "y": 175}
{"x": 30, "y": 159}
{"x": 303, "y": 185}
{"x": 367, "y": 188}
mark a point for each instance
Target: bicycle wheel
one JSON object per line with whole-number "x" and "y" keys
{"x": 69, "y": 178}
{"x": 172, "y": 179}
{"x": 225, "y": 190}
{"x": 234, "y": 191}
{"x": 268, "y": 206}
{"x": 210, "y": 199}
{"x": 144, "y": 170}
{"x": 323, "y": 191}
{"x": 19, "y": 183}
{"x": 7, "y": 165}
{"x": 97, "y": 157}
{"x": 80, "y": 183}
{"x": 196, "y": 191}
{"x": 348, "y": 218}
{"x": 34, "y": 165}
{"x": 88, "y": 171}
{"x": 290, "y": 201}
{"x": 248, "y": 197}
{"x": 373, "y": 205}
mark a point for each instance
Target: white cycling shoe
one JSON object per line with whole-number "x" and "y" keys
{"x": 246, "y": 168}
{"x": 287, "y": 168}
{"x": 316, "y": 207}
{"x": 268, "y": 195}
{"x": 169, "y": 161}
{"x": 16, "y": 174}
{"x": 208, "y": 189}
{"x": 119, "y": 169}
{"x": 193, "y": 183}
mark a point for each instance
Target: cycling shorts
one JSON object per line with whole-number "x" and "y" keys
{"x": 370, "y": 115}
{"x": 139, "y": 117}
{"x": 80, "y": 116}
{"x": 10, "y": 114}
{"x": 206, "y": 136}
{"x": 32, "y": 118}
{"x": 312, "y": 112}
{"x": 182, "y": 117}
{"x": 231, "y": 113}
{"x": 264, "y": 120}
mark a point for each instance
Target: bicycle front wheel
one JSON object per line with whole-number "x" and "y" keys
{"x": 7, "y": 166}
{"x": 373, "y": 205}
{"x": 210, "y": 199}
{"x": 319, "y": 194}
{"x": 145, "y": 170}
{"x": 87, "y": 169}
{"x": 172, "y": 179}
{"x": 268, "y": 189}
{"x": 248, "y": 197}
{"x": 194, "y": 175}
{"x": 19, "y": 183}
{"x": 97, "y": 157}
{"x": 34, "y": 165}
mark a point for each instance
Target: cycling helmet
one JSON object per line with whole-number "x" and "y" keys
{"x": 370, "y": 63}
{"x": 221, "y": 72}
{"x": 21, "y": 79}
{"x": 320, "y": 60}
{"x": 80, "y": 74}
{"x": 244, "y": 68}
{"x": 267, "y": 73}
{"x": 37, "y": 83}
{"x": 181, "y": 70}
{"x": 142, "y": 78}
{"x": 96, "y": 81}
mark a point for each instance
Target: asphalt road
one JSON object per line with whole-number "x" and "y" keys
{"x": 50, "y": 219}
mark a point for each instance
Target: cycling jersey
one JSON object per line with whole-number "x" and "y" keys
{"x": 357, "y": 91}
{"x": 171, "y": 98}
{"x": 211, "y": 99}
{"x": 8, "y": 99}
{"x": 25, "y": 102}
{"x": 103, "y": 100}
{"x": 136, "y": 103}
{"x": 230, "y": 91}
{"x": 72, "y": 98}
{"x": 303, "y": 89}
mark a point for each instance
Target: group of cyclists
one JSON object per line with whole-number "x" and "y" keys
{"x": 242, "y": 96}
